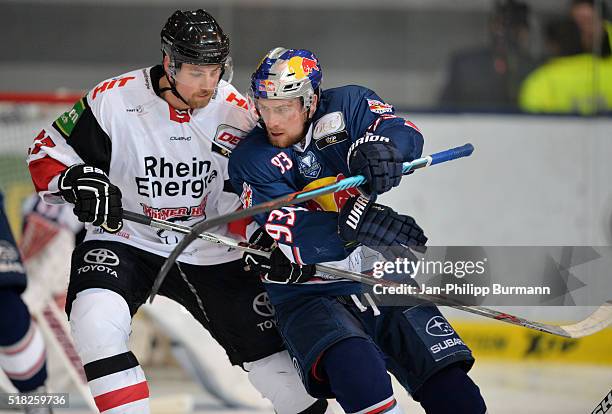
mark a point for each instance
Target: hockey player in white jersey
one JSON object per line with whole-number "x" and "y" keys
{"x": 156, "y": 141}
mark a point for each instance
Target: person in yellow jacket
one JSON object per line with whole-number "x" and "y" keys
{"x": 579, "y": 82}
{"x": 571, "y": 84}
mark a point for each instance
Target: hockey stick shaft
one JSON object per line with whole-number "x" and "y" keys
{"x": 293, "y": 198}
{"x": 179, "y": 228}
{"x": 597, "y": 321}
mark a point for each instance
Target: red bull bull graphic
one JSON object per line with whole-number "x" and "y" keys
{"x": 267, "y": 86}
{"x": 379, "y": 107}
{"x": 329, "y": 202}
{"x": 302, "y": 67}
{"x": 247, "y": 196}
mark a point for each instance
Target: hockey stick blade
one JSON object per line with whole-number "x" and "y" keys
{"x": 597, "y": 321}
{"x": 293, "y": 198}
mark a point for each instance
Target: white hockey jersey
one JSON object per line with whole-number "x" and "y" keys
{"x": 169, "y": 164}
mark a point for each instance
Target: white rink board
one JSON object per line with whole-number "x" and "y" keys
{"x": 530, "y": 181}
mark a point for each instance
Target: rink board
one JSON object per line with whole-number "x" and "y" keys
{"x": 507, "y": 342}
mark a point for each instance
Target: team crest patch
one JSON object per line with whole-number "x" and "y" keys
{"x": 309, "y": 166}
{"x": 247, "y": 196}
{"x": 379, "y": 107}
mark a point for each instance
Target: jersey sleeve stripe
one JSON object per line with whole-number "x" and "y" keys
{"x": 43, "y": 170}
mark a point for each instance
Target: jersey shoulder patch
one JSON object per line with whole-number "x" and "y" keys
{"x": 328, "y": 124}
{"x": 379, "y": 107}
{"x": 66, "y": 122}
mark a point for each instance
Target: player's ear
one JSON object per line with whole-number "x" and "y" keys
{"x": 313, "y": 107}
{"x": 166, "y": 63}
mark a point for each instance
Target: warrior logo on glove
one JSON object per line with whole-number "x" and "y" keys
{"x": 378, "y": 160}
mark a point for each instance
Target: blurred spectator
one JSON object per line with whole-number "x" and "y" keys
{"x": 578, "y": 77}
{"x": 593, "y": 36}
{"x": 489, "y": 78}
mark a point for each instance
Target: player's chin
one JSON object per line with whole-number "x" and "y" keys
{"x": 282, "y": 140}
{"x": 199, "y": 101}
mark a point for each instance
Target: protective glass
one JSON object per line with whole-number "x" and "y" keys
{"x": 203, "y": 77}
{"x": 283, "y": 110}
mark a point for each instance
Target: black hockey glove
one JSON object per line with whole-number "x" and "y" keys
{"x": 95, "y": 199}
{"x": 278, "y": 268}
{"x": 375, "y": 225}
{"x": 378, "y": 160}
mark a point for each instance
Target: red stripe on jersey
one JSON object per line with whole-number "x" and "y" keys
{"x": 383, "y": 408}
{"x": 411, "y": 125}
{"x": 26, "y": 375}
{"x": 18, "y": 347}
{"x": 43, "y": 170}
{"x": 122, "y": 396}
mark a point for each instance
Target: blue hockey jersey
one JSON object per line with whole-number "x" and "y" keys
{"x": 308, "y": 233}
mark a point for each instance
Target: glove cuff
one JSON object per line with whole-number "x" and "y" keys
{"x": 66, "y": 181}
{"x": 69, "y": 177}
{"x": 351, "y": 216}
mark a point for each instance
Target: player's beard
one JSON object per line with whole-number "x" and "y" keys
{"x": 286, "y": 141}
{"x": 200, "y": 100}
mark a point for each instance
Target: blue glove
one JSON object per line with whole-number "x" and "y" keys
{"x": 378, "y": 160}
{"x": 375, "y": 225}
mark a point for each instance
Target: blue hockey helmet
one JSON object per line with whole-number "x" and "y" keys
{"x": 287, "y": 73}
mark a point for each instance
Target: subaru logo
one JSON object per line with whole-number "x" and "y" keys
{"x": 438, "y": 326}
{"x": 101, "y": 257}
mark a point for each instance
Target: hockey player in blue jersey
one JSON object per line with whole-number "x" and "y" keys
{"x": 22, "y": 350}
{"x": 342, "y": 349}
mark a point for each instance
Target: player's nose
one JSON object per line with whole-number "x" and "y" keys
{"x": 208, "y": 82}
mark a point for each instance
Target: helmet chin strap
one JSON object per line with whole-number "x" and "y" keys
{"x": 173, "y": 89}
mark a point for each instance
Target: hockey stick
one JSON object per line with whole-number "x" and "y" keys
{"x": 293, "y": 198}
{"x": 595, "y": 322}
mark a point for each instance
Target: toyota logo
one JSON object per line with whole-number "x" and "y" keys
{"x": 101, "y": 257}
{"x": 437, "y": 326}
{"x": 262, "y": 305}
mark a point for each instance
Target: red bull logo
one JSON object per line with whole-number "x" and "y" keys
{"x": 329, "y": 202}
{"x": 267, "y": 86}
{"x": 247, "y": 196}
{"x": 379, "y": 107}
{"x": 302, "y": 67}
